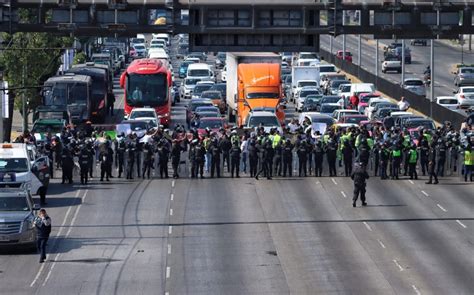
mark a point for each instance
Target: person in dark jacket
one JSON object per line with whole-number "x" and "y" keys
{"x": 302, "y": 151}
{"x": 277, "y": 159}
{"x": 84, "y": 159}
{"x": 432, "y": 165}
{"x": 67, "y": 163}
{"x": 163, "y": 155}
{"x": 215, "y": 158}
{"x": 120, "y": 151}
{"x": 130, "y": 159}
{"x": 360, "y": 176}
{"x": 192, "y": 156}
{"x": 200, "y": 158}
{"x": 225, "y": 146}
{"x": 110, "y": 102}
{"x": 43, "y": 229}
{"x": 318, "y": 158}
{"x": 253, "y": 157}
{"x": 235, "y": 159}
{"x": 106, "y": 159}
{"x": 148, "y": 160}
{"x": 175, "y": 158}
{"x": 267, "y": 160}
{"x": 347, "y": 153}
{"x": 287, "y": 156}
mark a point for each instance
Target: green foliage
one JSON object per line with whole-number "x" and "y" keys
{"x": 79, "y": 58}
{"x": 24, "y": 64}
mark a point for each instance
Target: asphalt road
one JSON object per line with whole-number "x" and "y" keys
{"x": 445, "y": 58}
{"x": 242, "y": 236}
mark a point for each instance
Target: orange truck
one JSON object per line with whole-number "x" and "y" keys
{"x": 253, "y": 83}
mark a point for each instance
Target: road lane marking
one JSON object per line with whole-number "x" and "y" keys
{"x": 172, "y": 183}
{"x": 441, "y": 207}
{"x": 169, "y": 249}
{"x": 172, "y": 197}
{"x": 334, "y": 181}
{"x": 170, "y": 229}
{"x": 397, "y": 264}
{"x": 367, "y": 226}
{"x": 381, "y": 244}
{"x": 411, "y": 181}
{"x": 460, "y": 223}
{"x": 416, "y": 290}
{"x": 171, "y": 212}
{"x": 424, "y": 193}
{"x": 168, "y": 272}
{"x": 57, "y": 235}
{"x": 343, "y": 194}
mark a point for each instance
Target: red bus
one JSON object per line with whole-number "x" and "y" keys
{"x": 147, "y": 83}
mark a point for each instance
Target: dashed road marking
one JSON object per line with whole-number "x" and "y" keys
{"x": 441, "y": 207}
{"x": 425, "y": 193}
{"x": 460, "y": 223}
{"x": 398, "y": 265}
{"x": 170, "y": 229}
{"x": 334, "y": 181}
{"x": 381, "y": 244}
{"x": 416, "y": 290}
{"x": 411, "y": 181}
{"x": 169, "y": 249}
{"x": 172, "y": 197}
{"x": 367, "y": 226}
{"x": 171, "y": 212}
{"x": 172, "y": 183}
{"x": 343, "y": 194}
{"x": 168, "y": 272}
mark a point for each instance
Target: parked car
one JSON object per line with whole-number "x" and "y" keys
{"x": 464, "y": 76}
{"x": 465, "y": 97}
{"x": 421, "y": 42}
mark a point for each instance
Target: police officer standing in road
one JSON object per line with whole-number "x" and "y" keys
{"x": 225, "y": 147}
{"x": 175, "y": 157}
{"x": 67, "y": 163}
{"x": 200, "y": 158}
{"x": 120, "y": 155}
{"x": 192, "y": 156}
{"x": 106, "y": 159}
{"x": 148, "y": 160}
{"x": 163, "y": 155}
{"x": 84, "y": 160}
{"x": 235, "y": 152}
{"x": 130, "y": 159}
{"x": 215, "y": 158}
{"x": 267, "y": 160}
{"x": 360, "y": 176}
{"x": 432, "y": 165}
{"x": 331, "y": 153}
{"x": 412, "y": 159}
{"x": 302, "y": 152}
{"x": 277, "y": 159}
{"x": 43, "y": 229}
{"x": 318, "y": 158}
{"x": 253, "y": 157}
{"x": 287, "y": 156}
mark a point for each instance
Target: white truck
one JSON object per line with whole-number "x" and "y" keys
{"x": 303, "y": 76}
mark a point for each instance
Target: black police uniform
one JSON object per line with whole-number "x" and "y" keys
{"x": 225, "y": 146}
{"x": 215, "y": 159}
{"x": 175, "y": 158}
{"x": 235, "y": 160}
{"x": 67, "y": 163}
{"x": 84, "y": 159}
{"x": 287, "y": 156}
{"x": 318, "y": 152}
{"x": 359, "y": 175}
{"x": 147, "y": 160}
{"x": 130, "y": 159}
{"x": 253, "y": 158}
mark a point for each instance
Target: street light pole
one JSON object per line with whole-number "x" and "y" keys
{"x": 432, "y": 78}
{"x": 23, "y": 103}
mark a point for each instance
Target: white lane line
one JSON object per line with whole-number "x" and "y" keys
{"x": 367, "y": 226}
{"x": 167, "y": 293}
{"x": 416, "y": 290}
{"x": 172, "y": 197}
{"x": 169, "y": 249}
{"x": 460, "y": 223}
{"x": 424, "y": 193}
{"x": 168, "y": 272}
{"x": 172, "y": 183}
{"x": 343, "y": 194}
{"x": 334, "y": 181}
{"x": 441, "y": 207}
{"x": 56, "y": 237}
{"x": 171, "y": 212}
{"x": 398, "y": 264}
{"x": 381, "y": 244}
{"x": 411, "y": 181}
{"x": 73, "y": 221}
{"x": 170, "y": 229}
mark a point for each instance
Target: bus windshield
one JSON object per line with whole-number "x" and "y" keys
{"x": 63, "y": 94}
{"x": 147, "y": 90}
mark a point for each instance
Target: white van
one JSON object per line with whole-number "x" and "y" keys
{"x": 19, "y": 163}
{"x": 200, "y": 71}
{"x": 362, "y": 88}
{"x": 164, "y": 37}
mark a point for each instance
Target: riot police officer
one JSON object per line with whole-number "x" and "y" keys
{"x": 235, "y": 159}
{"x": 175, "y": 157}
{"x": 287, "y": 156}
{"x": 200, "y": 158}
{"x": 163, "y": 155}
{"x": 360, "y": 176}
{"x": 192, "y": 155}
{"x": 215, "y": 158}
{"x": 106, "y": 159}
{"x": 130, "y": 159}
{"x": 84, "y": 160}
{"x": 148, "y": 160}
{"x": 331, "y": 154}
{"x": 67, "y": 164}
{"x": 302, "y": 152}
{"x": 253, "y": 157}
{"x": 318, "y": 158}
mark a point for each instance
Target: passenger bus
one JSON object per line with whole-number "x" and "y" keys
{"x": 70, "y": 94}
{"x": 147, "y": 83}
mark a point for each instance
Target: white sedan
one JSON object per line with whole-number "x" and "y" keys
{"x": 145, "y": 114}
{"x": 465, "y": 96}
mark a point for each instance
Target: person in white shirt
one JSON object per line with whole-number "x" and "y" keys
{"x": 403, "y": 104}
{"x": 244, "y": 148}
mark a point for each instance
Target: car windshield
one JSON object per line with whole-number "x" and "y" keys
{"x": 467, "y": 71}
{"x": 191, "y": 81}
{"x": 391, "y": 58}
{"x": 142, "y": 114}
{"x": 13, "y": 165}
{"x": 13, "y": 204}
{"x": 329, "y": 108}
{"x": 266, "y": 121}
{"x": 312, "y": 99}
{"x": 194, "y": 105}
{"x": 147, "y": 90}
{"x": 448, "y": 101}
{"x": 305, "y": 93}
{"x": 345, "y": 88}
{"x": 141, "y": 125}
{"x": 47, "y": 128}
{"x": 336, "y": 83}
{"x": 219, "y": 87}
{"x": 207, "y": 109}
{"x": 211, "y": 124}
{"x": 262, "y": 95}
{"x": 211, "y": 95}
{"x": 308, "y": 56}
{"x": 354, "y": 120}
{"x": 468, "y": 90}
{"x": 414, "y": 83}
{"x": 201, "y": 88}
{"x": 327, "y": 69}
{"x": 307, "y": 83}
{"x": 138, "y": 40}
{"x": 208, "y": 114}
{"x": 199, "y": 72}
{"x": 139, "y": 47}
{"x": 426, "y": 124}
{"x": 330, "y": 99}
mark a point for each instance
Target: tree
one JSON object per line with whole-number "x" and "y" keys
{"x": 30, "y": 59}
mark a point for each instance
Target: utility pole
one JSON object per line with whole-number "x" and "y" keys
{"x": 403, "y": 61}
{"x": 432, "y": 78}
{"x": 23, "y": 102}
{"x": 2, "y": 96}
